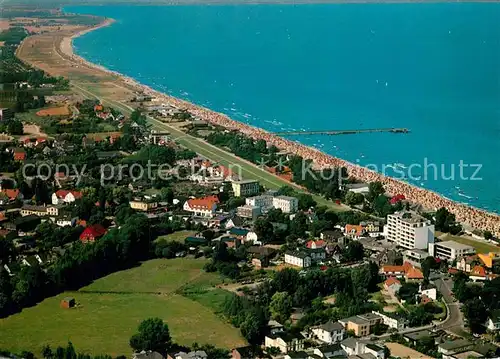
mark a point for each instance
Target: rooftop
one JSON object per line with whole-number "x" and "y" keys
{"x": 456, "y": 344}
{"x": 409, "y": 217}
{"x": 331, "y": 326}
{"x": 454, "y": 245}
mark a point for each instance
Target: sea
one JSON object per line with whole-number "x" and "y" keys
{"x": 433, "y": 68}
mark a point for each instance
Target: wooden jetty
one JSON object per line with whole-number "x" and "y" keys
{"x": 342, "y": 132}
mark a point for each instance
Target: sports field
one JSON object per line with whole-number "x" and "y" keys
{"x": 109, "y": 310}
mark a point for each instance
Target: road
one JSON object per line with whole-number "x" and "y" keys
{"x": 454, "y": 321}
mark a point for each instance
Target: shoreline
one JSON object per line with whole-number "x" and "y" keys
{"x": 472, "y": 216}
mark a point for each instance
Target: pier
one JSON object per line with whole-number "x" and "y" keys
{"x": 342, "y": 132}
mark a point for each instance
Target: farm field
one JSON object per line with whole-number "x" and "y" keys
{"x": 109, "y": 310}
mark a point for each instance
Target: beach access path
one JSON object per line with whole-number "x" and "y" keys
{"x": 52, "y": 53}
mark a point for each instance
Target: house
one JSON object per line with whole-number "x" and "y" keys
{"x": 285, "y": 342}
{"x": 275, "y": 327}
{"x": 252, "y": 237}
{"x": 331, "y": 235}
{"x": 202, "y": 207}
{"x": 298, "y": 258}
{"x": 147, "y": 355}
{"x": 493, "y": 322}
{"x": 429, "y": 291}
{"x": 414, "y": 274}
{"x": 317, "y": 254}
{"x": 489, "y": 259}
{"x": 456, "y": 346}
{"x": 361, "y": 324}
{"x": 143, "y": 206}
{"x": 19, "y": 155}
{"x": 235, "y": 221}
{"x": 329, "y": 351}
{"x": 65, "y": 196}
{"x": 392, "y": 285}
{"x": 466, "y": 263}
{"x": 357, "y": 349}
{"x": 478, "y": 273}
{"x": 372, "y": 228}
{"x": 28, "y": 209}
{"x": 329, "y": 332}
{"x": 92, "y": 233}
{"x": 12, "y": 194}
{"x": 198, "y": 354}
{"x": 248, "y": 352}
{"x": 316, "y": 244}
{"x": 409, "y": 272}
{"x": 245, "y": 188}
{"x": 354, "y": 231}
{"x": 392, "y": 320}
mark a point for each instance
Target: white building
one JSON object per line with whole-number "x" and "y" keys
{"x": 450, "y": 250}
{"x": 430, "y": 292}
{"x": 202, "y": 207}
{"x": 264, "y": 201}
{"x": 493, "y": 322}
{"x": 330, "y": 332}
{"x": 287, "y": 204}
{"x": 64, "y": 196}
{"x": 392, "y": 320}
{"x": 299, "y": 259}
{"x": 409, "y": 230}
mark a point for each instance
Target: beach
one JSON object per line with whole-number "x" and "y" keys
{"x": 474, "y": 217}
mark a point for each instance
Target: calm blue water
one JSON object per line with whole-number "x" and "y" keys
{"x": 433, "y": 68}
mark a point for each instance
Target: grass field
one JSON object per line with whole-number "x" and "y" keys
{"x": 176, "y": 236}
{"x": 481, "y": 247}
{"x": 110, "y": 309}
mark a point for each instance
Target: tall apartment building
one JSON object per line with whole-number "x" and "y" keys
{"x": 409, "y": 230}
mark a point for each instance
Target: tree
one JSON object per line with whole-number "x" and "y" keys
{"x": 352, "y": 198}
{"x": 446, "y": 222}
{"x": 220, "y": 253}
{"x": 253, "y": 326}
{"x": 375, "y": 189}
{"x": 264, "y": 229}
{"x": 281, "y": 306}
{"x": 298, "y": 225}
{"x": 487, "y": 235}
{"x": 153, "y": 335}
{"x": 427, "y": 265}
{"x": 305, "y": 201}
{"x": 354, "y": 251}
{"x": 15, "y": 127}
{"x": 476, "y": 314}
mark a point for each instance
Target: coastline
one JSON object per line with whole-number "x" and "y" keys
{"x": 474, "y": 217}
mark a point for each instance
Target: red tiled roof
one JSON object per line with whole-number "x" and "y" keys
{"x": 316, "y": 244}
{"x": 354, "y": 229}
{"x": 11, "y": 193}
{"x": 393, "y": 269}
{"x": 478, "y": 271}
{"x": 391, "y": 281}
{"x": 203, "y": 203}
{"x": 414, "y": 273}
{"x": 19, "y": 156}
{"x": 62, "y": 193}
{"x": 92, "y": 233}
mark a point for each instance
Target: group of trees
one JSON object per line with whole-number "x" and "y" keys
{"x": 12, "y": 127}
{"x": 478, "y": 301}
{"x": 287, "y": 290}
{"x": 79, "y": 265}
{"x": 445, "y": 221}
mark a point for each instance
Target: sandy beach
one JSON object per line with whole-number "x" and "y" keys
{"x": 474, "y": 217}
